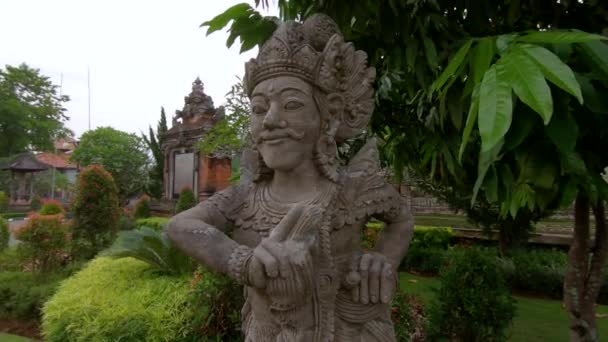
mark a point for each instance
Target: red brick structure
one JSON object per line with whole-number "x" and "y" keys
{"x": 184, "y": 166}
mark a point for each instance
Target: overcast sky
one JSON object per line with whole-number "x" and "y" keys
{"x": 142, "y": 54}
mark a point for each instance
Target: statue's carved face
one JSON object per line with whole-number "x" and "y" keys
{"x": 285, "y": 122}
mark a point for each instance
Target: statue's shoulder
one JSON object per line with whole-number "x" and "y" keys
{"x": 365, "y": 190}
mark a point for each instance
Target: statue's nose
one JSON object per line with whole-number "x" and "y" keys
{"x": 273, "y": 119}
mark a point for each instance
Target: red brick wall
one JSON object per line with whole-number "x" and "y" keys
{"x": 213, "y": 176}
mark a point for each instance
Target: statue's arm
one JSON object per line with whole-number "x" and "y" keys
{"x": 201, "y": 233}
{"x": 393, "y": 241}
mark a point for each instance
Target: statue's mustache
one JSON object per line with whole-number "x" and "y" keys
{"x": 278, "y": 134}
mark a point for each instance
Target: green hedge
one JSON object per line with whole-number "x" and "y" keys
{"x": 13, "y": 215}
{"x": 22, "y": 294}
{"x": 5, "y": 234}
{"x": 156, "y": 223}
{"x": 118, "y": 300}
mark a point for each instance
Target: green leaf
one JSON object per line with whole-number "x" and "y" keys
{"x": 452, "y": 66}
{"x": 593, "y": 101}
{"x": 528, "y": 82}
{"x": 491, "y": 185}
{"x": 495, "y": 107}
{"x": 484, "y": 52}
{"x": 486, "y": 159}
{"x": 573, "y": 163}
{"x": 430, "y": 52}
{"x": 596, "y": 53}
{"x": 471, "y": 118}
{"x": 503, "y": 42}
{"x": 220, "y": 21}
{"x": 554, "y": 70}
{"x": 411, "y": 53}
{"x": 519, "y": 131}
{"x": 559, "y": 37}
{"x": 563, "y": 131}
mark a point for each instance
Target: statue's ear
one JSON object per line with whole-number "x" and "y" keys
{"x": 335, "y": 108}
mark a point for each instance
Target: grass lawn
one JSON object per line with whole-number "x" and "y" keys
{"x": 13, "y": 338}
{"x": 536, "y": 319}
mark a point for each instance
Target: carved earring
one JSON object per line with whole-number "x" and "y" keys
{"x": 326, "y": 157}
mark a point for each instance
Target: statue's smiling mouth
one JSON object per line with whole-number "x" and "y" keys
{"x": 276, "y": 141}
{"x": 278, "y": 137}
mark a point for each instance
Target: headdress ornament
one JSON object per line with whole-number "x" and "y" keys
{"x": 315, "y": 51}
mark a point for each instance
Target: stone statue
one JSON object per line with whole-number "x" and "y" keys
{"x": 290, "y": 231}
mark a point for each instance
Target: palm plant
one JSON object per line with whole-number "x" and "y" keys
{"x": 153, "y": 248}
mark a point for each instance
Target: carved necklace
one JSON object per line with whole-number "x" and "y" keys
{"x": 263, "y": 211}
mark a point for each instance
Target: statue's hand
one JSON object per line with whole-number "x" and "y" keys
{"x": 276, "y": 255}
{"x": 372, "y": 279}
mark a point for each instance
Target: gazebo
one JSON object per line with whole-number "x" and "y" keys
{"x": 22, "y": 165}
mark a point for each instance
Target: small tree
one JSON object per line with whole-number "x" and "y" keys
{"x": 186, "y": 200}
{"x": 473, "y": 302}
{"x": 51, "y": 207}
{"x": 44, "y": 239}
{"x": 154, "y": 142}
{"x": 96, "y": 211}
{"x": 142, "y": 207}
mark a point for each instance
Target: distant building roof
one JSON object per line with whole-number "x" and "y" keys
{"x": 66, "y": 144}
{"x": 25, "y": 162}
{"x": 58, "y": 161}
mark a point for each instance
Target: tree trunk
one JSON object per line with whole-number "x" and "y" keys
{"x": 584, "y": 274}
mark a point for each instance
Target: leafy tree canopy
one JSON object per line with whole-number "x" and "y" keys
{"x": 122, "y": 154}
{"x": 497, "y": 103}
{"x": 31, "y": 111}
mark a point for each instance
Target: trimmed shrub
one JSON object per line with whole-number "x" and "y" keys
{"x": 153, "y": 248}
{"x": 216, "y": 302}
{"x": 44, "y": 240}
{"x": 424, "y": 260}
{"x": 432, "y": 237}
{"x": 125, "y": 222}
{"x": 22, "y": 294}
{"x": 119, "y": 300}
{"x": 370, "y": 234}
{"x": 5, "y": 234}
{"x": 408, "y": 317}
{"x": 10, "y": 260}
{"x": 51, "y": 207}
{"x": 142, "y": 207}
{"x": 537, "y": 271}
{"x": 35, "y": 203}
{"x": 185, "y": 201}
{"x": 3, "y": 202}
{"x": 96, "y": 211}
{"x": 156, "y": 223}
{"x": 472, "y": 302}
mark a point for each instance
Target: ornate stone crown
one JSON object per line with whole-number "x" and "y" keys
{"x": 315, "y": 52}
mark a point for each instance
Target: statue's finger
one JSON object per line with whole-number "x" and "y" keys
{"x": 355, "y": 293}
{"x": 387, "y": 285}
{"x": 256, "y": 273}
{"x": 270, "y": 263}
{"x": 374, "y": 279}
{"x": 278, "y": 251}
{"x": 282, "y": 230}
{"x": 364, "y": 272}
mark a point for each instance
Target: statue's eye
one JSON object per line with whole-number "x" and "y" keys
{"x": 257, "y": 109}
{"x": 291, "y": 105}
